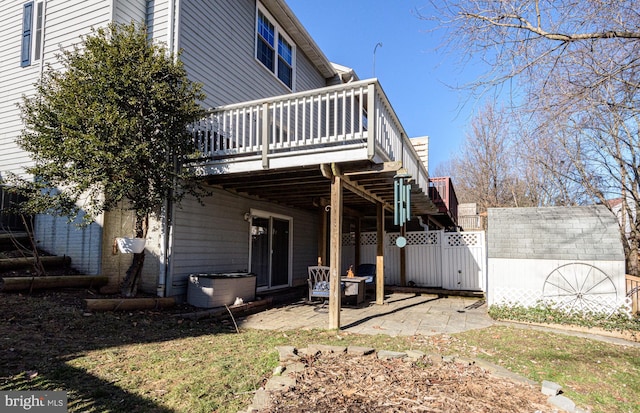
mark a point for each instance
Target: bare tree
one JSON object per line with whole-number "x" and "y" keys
{"x": 575, "y": 66}
{"x": 484, "y": 171}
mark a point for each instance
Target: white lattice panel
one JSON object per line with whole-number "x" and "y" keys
{"x": 348, "y": 239}
{"x": 461, "y": 239}
{"x": 529, "y": 298}
{"x": 368, "y": 238}
{"x": 423, "y": 238}
{"x": 391, "y": 239}
{"x": 514, "y": 296}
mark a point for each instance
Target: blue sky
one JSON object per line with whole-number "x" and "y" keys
{"x": 413, "y": 74}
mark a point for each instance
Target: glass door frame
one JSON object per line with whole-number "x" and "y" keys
{"x": 257, "y": 213}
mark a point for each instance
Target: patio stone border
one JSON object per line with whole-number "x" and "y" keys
{"x": 289, "y": 357}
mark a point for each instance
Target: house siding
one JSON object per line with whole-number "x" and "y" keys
{"x": 218, "y": 39}
{"x": 214, "y": 237}
{"x": 65, "y": 23}
{"x": 218, "y": 43}
{"x": 56, "y": 236}
{"x": 130, "y": 10}
{"x": 157, "y": 19}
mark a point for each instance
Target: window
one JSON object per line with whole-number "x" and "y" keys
{"x": 27, "y": 20}
{"x": 270, "y": 39}
{"x": 37, "y": 44}
{"x": 31, "y": 44}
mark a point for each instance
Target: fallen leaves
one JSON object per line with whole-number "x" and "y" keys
{"x": 342, "y": 383}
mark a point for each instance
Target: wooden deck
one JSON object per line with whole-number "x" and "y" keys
{"x": 287, "y": 148}
{"x": 352, "y": 122}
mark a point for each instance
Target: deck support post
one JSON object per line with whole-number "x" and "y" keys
{"x": 322, "y": 236}
{"x": 403, "y": 258}
{"x": 335, "y": 253}
{"x": 380, "y": 254}
{"x": 356, "y": 257}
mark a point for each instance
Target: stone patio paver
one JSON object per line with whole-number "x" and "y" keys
{"x": 401, "y": 315}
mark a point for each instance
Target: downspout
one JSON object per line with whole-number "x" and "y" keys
{"x": 164, "y": 248}
{"x": 173, "y": 27}
{"x": 44, "y": 36}
{"x": 424, "y": 226}
{"x": 166, "y": 237}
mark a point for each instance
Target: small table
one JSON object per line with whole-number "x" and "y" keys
{"x": 354, "y": 286}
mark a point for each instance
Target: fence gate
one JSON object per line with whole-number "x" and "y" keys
{"x": 450, "y": 260}
{"x": 463, "y": 261}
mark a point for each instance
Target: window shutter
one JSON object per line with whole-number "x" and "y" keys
{"x": 27, "y": 26}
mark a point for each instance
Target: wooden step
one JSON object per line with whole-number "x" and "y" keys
{"x": 9, "y": 264}
{"x": 6, "y": 240}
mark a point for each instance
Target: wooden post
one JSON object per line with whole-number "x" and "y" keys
{"x": 403, "y": 258}
{"x": 322, "y": 237}
{"x": 380, "y": 254}
{"x": 356, "y": 260}
{"x": 52, "y": 281}
{"x": 335, "y": 253}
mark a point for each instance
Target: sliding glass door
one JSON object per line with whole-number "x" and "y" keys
{"x": 270, "y": 250}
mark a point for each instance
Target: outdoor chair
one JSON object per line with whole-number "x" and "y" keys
{"x": 368, "y": 271}
{"x": 319, "y": 284}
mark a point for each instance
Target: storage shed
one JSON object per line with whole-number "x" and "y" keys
{"x": 571, "y": 257}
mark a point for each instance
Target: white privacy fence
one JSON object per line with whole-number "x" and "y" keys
{"x": 450, "y": 260}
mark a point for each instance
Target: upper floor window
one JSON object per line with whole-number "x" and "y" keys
{"x": 32, "y": 28}
{"x": 274, "y": 49}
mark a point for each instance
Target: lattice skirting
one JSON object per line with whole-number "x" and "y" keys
{"x": 529, "y": 298}
{"x": 448, "y": 239}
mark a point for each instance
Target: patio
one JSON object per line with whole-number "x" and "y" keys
{"x": 403, "y": 314}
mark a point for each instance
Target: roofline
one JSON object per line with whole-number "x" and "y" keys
{"x": 285, "y": 17}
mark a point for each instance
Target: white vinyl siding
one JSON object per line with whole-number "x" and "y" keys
{"x": 218, "y": 42}
{"x": 215, "y": 238}
{"x": 157, "y": 19}
{"x": 127, "y": 11}
{"x": 56, "y": 236}
{"x": 65, "y": 21}
{"x": 274, "y": 49}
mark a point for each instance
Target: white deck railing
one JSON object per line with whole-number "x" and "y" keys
{"x": 355, "y": 115}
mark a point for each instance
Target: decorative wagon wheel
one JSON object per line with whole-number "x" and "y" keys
{"x": 580, "y": 287}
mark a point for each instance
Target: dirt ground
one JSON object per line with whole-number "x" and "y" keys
{"x": 342, "y": 383}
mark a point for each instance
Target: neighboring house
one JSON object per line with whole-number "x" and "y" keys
{"x": 469, "y": 219}
{"x": 287, "y": 124}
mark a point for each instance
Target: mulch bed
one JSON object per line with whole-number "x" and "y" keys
{"x": 343, "y": 383}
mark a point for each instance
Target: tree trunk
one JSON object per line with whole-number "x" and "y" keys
{"x": 130, "y": 283}
{"x": 129, "y": 287}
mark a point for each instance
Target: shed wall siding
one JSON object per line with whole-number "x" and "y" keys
{"x": 215, "y": 238}
{"x": 558, "y": 233}
{"x": 521, "y": 281}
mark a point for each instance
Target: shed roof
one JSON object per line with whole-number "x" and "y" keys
{"x": 588, "y": 233}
